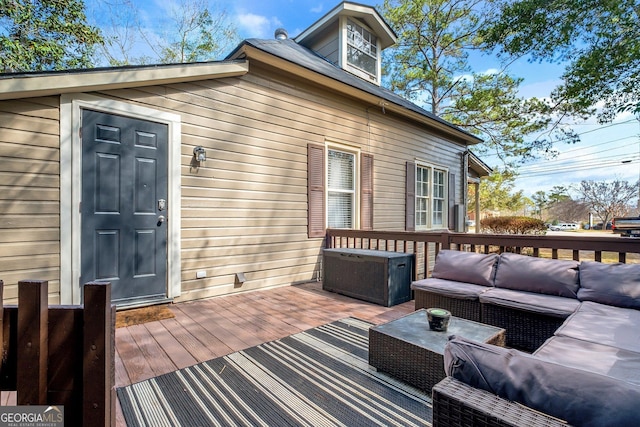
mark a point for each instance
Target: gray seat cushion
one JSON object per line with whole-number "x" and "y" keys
{"x": 548, "y": 305}
{"x": 450, "y": 288}
{"x": 468, "y": 267}
{"x": 579, "y": 397}
{"x": 539, "y": 275}
{"x": 604, "y": 324}
{"x": 613, "y": 284}
{"x": 601, "y": 359}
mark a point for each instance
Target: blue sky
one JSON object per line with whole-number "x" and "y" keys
{"x": 603, "y": 153}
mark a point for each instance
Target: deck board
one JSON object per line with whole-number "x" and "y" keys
{"x": 178, "y": 355}
{"x": 200, "y": 344}
{"x": 137, "y": 366}
{"x": 210, "y": 328}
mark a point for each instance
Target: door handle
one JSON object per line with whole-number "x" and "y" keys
{"x": 161, "y": 219}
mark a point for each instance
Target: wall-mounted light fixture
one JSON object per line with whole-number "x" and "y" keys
{"x": 199, "y": 154}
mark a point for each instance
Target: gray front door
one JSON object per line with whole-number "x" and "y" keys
{"x": 123, "y": 210}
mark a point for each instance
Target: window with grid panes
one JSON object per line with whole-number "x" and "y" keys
{"x": 430, "y": 197}
{"x": 422, "y": 197}
{"x": 341, "y": 189}
{"x": 362, "y": 50}
{"x": 438, "y": 198}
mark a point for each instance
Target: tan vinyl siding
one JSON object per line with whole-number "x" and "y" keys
{"x": 245, "y": 209}
{"x": 29, "y": 194}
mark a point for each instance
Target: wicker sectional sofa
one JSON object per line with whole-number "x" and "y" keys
{"x": 578, "y": 324}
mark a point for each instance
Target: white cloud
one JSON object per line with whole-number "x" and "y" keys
{"x": 254, "y": 25}
{"x": 491, "y": 71}
{"x": 317, "y": 9}
{"x": 259, "y": 26}
{"x": 469, "y": 77}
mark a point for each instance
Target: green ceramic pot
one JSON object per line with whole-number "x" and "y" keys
{"x": 438, "y": 319}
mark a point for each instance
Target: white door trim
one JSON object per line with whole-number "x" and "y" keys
{"x": 71, "y": 187}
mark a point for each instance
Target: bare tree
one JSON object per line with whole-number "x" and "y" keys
{"x": 190, "y": 31}
{"x": 608, "y": 199}
{"x": 124, "y": 43}
{"x": 569, "y": 210}
{"x": 196, "y": 32}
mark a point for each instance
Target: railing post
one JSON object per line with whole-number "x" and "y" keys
{"x": 33, "y": 344}
{"x": 98, "y": 402}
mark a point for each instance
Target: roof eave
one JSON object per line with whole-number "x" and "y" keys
{"x": 46, "y": 84}
{"x": 477, "y": 165}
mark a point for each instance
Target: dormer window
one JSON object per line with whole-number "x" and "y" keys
{"x": 362, "y": 49}
{"x": 351, "y": 36}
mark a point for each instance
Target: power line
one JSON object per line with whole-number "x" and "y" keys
{"x": 569, "y": 164}
{"x": 599, "y": 144}
{"x": 582, "y": 133}
{"x": 550, "y": 163}
{"x": 576, "y": 168}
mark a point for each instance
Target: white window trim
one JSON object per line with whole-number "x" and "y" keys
{"x": 344, "y": 40}
{"x": 71, "y": 188}
{"x": 356, "y": 203}
{"x": 445, "y": 213}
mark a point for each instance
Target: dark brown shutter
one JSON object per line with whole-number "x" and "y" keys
{"x": 315, "y": 191}
{"x": 366, "y": 192}
{"x": 452, "y": 202}
{"x": 410, "y": 206}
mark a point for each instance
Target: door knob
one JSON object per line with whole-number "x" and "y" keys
{"x": 161, "y": 219}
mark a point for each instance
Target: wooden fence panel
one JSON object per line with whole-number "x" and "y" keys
{"x": 99, "y": 358}
{"x": 33, "y": 345}
{"x": 61, "y": 355}
{"x": 65, "y": 379}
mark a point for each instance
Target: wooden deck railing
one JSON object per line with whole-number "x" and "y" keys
{"x": 426, "y": 245}
{"x": 60, "y": 355}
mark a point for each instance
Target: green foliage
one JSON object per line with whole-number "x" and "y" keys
{"x": 433, "y": 46}
{"x": 559, "y": 193}
{"x": 488, "y": 105}
{"x": 513, "y": 225}
{"x": 600, "y": 40}
{"x": 540, "y": 201}
{"x": 558, "y": 196}
{"x": 496, "y": 193}
{"x": 430, "y": 65}
{"x": 39, "y": 35}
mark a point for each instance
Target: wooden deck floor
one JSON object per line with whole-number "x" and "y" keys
{"x": 206, "y": 329}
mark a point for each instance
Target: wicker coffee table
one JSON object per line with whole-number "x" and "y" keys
{"x": 407, "y": 349}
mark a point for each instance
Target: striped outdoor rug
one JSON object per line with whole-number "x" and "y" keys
{"x": 320, "y": 377}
